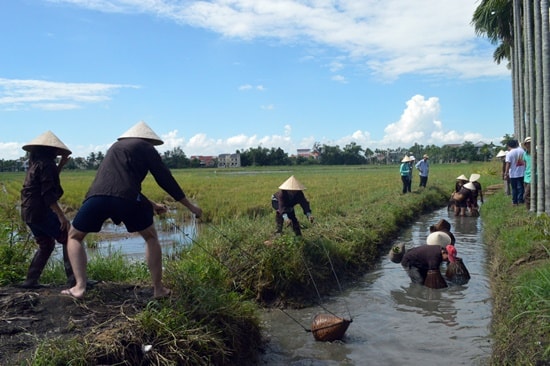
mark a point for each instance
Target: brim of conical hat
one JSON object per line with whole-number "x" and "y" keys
{"x": 470, "y": 186}
{"x": 501, "y": 153}
{"x": 474, "y": 177}
{"x": 292, "y": 184}
{"x": 143, "y": 131}
{"x": 48, "y": 139}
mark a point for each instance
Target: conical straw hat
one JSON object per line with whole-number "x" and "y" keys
{"x": 501, "y": 153}
{"x": 462, "y": 177}
{"x": 406, "y": 159}
{"x": 48, "y": 139}
{"x": 438, "y": 238}
{"x": 143, "y": 131}
{"x": 470, "y": 186}
{"x": 292, "y": 184}
{"x": 474, "y": 177}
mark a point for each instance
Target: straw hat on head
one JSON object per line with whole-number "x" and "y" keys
{"x": 438, "y": 238}
{"x": 501, "y": 154}
{"x": 143, "y": 131}
{"x": 474, "y": 177}
{"x": 412, "y": 158}
{"x": 527, "y": 140}
{"x": 425, "y": 156}
{"x": 461, "y": 177}
{"x": 48, "y": 139}
{"x": 470, "y": 186}
{"x": 406, "y": 159}
{"x": 292, "y": 184}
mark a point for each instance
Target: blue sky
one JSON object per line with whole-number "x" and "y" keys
{"x": 216, "y": 76}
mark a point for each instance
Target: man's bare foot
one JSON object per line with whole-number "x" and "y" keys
{"x": 162, "y": 293}
{"x": 74, "y": 292}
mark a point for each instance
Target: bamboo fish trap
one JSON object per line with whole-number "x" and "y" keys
{"x": 328, "y": 328}
{"x": 457, "y": 272}
{"x": 434, "y": 279}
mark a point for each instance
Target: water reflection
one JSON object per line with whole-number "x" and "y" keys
{"x": 427, "y": 302}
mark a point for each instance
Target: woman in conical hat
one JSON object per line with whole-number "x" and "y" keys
{"x": 40, "y": 209}
{"x": 290, "y": 194}
{"x": 116, "y": 194}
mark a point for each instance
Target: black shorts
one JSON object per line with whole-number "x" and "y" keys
{"x": 136, "y": 215}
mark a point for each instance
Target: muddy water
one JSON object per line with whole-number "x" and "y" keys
{"x": 394, "y": 321}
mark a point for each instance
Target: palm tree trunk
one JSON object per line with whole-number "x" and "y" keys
{"x": 545, "y": 143}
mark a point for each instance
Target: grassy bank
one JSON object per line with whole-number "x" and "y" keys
{"x": 519, "y": 248}
{"x": 230, "y": 270}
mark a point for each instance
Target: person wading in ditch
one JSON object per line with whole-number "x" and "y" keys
{"x": 419, "y": 260}
{"x": 115, "y": 193}
{"x": 39, "y": 204}
{"x": 290, "y": 194}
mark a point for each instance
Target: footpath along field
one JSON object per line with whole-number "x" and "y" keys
{"x": 221, "y": 279}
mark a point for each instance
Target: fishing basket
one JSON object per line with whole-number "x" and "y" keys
{"x": 396, "y": 252}
{"x": 434, "y": 279}
{"x": 328, "y": 327}
{"x": 457, "y": 272}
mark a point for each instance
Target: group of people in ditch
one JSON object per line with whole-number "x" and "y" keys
{"x": 423, "y": 263}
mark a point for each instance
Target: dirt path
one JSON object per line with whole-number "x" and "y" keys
{"x": 28, "y": 317}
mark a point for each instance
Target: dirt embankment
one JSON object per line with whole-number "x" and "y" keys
{"x": 28, "y": 317}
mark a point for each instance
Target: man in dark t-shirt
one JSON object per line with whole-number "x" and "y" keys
{"x": 115, "y": 193}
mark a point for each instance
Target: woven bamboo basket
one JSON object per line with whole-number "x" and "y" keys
{"x": 457, "y": 272}
{"x": 328, "y": 328}
{"x": 397, "y": 252}
{"x": 434, "y": 279}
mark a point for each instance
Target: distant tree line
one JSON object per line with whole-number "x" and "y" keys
{"x": 321, "y": 154}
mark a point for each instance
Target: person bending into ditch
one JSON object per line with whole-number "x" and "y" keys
{"x": 115, "y": 193}
{"x": 419, "y": 260}
{"x": 290, "y": 194}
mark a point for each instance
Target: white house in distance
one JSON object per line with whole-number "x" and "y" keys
{"x": 229, "y": 160}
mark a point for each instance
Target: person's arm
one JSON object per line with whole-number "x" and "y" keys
{"x": 506, "y": 173}
{"x": 196, "y": 210}
{"x": 64, "y": 160}
{"x": 65, "y": 223}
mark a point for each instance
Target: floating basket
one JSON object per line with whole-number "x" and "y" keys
{"x": 434, "y": 279}
{"x": 396, "y": 253}
{"x": 457, "y": 272}
{"x": 328, "y": 328}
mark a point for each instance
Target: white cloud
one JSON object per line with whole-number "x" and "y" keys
{"x": 50, "y": 95}
{"x": 391, "y": 37}
{"x": 340, "y": 79}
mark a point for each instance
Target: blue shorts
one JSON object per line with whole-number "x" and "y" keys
{"x": 136, "y": 215}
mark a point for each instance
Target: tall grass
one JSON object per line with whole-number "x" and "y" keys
{"x": 519, "y": 247}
